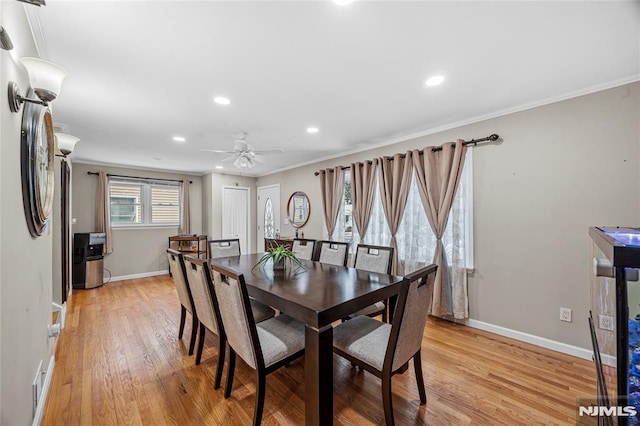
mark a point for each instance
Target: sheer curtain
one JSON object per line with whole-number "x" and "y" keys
{"x": 416, "y": 242}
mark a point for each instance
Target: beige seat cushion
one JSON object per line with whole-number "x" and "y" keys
{"x": 280, "y": 337}
{"x": 261, "y": 311}
{"x": 363, "y": 338}
{"x": 371, "y": 309}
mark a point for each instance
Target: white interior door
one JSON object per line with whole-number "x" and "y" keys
{"x": 268, "y": 215}
{"x": 235, "y": 215}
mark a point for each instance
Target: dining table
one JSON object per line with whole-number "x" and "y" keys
{"x": 318, "y": 295}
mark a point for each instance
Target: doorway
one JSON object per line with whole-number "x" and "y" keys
{"x": 235, "y": 215}
{"x": 268, "y": 214}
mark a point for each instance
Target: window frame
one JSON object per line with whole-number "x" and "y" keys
{"x": 146, "y": 202}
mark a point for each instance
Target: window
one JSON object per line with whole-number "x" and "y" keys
{"x": 415, "y": 239}
{"x": 137, "y": 202}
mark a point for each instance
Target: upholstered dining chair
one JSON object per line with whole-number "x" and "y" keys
{"x": 199, "y": 278}
{"x": 383, "y": 349}
{"x": 374, "y": 259}
{"x": 332, "y": 252}
{"x": 176, "y": 264}
{"x": 304, "y": 248}
{"x": 224, "y": 248}
{"x": 265, "y": 346}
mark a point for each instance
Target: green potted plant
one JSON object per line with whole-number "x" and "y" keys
{"x": 280, "y": 255}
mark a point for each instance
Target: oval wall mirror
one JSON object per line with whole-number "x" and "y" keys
{"x": 298, "y": 209}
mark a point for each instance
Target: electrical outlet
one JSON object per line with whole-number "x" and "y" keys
{"x": 565, "y": 314}
{"x": 605, "y": 322}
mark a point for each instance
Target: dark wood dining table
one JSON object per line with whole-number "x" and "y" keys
{"x": 317, "y": 294}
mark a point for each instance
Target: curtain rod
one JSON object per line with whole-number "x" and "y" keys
{"x": 494, "y": 137}
{"x": 136, "y": 177}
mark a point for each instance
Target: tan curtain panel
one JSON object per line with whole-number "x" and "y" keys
{"x": 438, "y": 176}
{"x": 394, "y": 180}
{"x": 185, "y": 209}
{"x": 363, "y": 179}
{"x": 332, "y": 190}
{"x": 103, "y": 217}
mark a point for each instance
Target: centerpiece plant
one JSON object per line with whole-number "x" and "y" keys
{"x": 280, "y": 255}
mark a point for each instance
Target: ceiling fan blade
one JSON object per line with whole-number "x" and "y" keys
{"x": 217, "y": 151}
{"x": 228, "y": 159}
{"x": 258, "y": 158}
{"x": 268, "y": 151}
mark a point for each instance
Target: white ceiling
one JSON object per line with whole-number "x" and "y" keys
{"x": 141, "y": 72}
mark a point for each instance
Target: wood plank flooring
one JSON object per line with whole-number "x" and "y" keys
{"x": 119, "y": 362}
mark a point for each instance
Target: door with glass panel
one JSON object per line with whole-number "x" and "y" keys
{"x": 268, "y": 215}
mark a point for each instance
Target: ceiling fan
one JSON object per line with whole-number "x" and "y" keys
{"x": 244, "y": 155}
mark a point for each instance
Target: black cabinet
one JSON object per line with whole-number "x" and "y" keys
{"x": 615, "y": 321}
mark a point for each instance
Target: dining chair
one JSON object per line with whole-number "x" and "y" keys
{"x": 224, "y": 248}
{"x": 304, "y": 248}
{"x": 264, "y": 346}
{"x": 176, "y": 264}
{"x": 199, "y": 278}
{"x": 374, "y": 259}
{"x": 332, "y": 252}
{"x": 383, "y": 349}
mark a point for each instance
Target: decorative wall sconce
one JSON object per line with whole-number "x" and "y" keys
{"x": 34, "y": 2}
{"x": 5, "y": 40}
{"x": 66, "y": 143}
{"x": 44, "y": 77}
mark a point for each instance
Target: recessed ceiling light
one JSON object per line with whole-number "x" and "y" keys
{"x": 219, "y": 167}
{"x": 157, "y": 158}
{"x": 342, "y": 2}
{"x": 312, "y": 130}
{"x": 221, "y": 100}
{"x": 434, "y": 81}
{"x": 179, "y": 139}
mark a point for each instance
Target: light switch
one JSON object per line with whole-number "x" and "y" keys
{"x": 285, "y": 221}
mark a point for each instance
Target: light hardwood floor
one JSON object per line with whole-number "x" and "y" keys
{"x": 119, "y": 362}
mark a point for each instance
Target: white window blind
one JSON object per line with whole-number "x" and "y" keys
{"x": 142, "y": 202}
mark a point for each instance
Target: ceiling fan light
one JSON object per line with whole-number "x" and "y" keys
{"x": 243, "y": 162}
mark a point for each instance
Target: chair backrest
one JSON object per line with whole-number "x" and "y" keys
{"x": 304, "y": 248}
{"x": 178, "y": 273}
{"x": 410, "y": 317}
{"x": 236, "y": 314}
{"x": 224, "y": 248}
{"x": 374, "y": 258}
{"x": 204, "y": 298}
{"x": 333, "y": 252}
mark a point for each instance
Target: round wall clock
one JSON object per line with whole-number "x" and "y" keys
{"x": 37, "y": 163}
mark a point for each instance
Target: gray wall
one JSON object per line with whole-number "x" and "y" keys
{"x": 25, "y": 262}
{"x": 561, "y": 168}
{"x": 136, "y": 250}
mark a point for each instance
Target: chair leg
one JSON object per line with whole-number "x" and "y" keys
{"x": 183, "y": 315}
{"x": 222, "y": 345}
{"x": 232, "y": 368}
{"x": 385, "y": 312}
{"x": 200, "y": 343}
{"x": 194, "y": 332}
{"x": 260, "y": 393}
{"x": 417, "y": 366}
{"x": 387, "y": 400}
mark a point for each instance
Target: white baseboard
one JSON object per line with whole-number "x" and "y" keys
{"x": 539, "y": 341}
{"x": 140, "y": 275}
{"x": 42, "y": 401}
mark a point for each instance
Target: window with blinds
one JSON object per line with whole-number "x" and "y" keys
{"x": 138, "y": 202}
